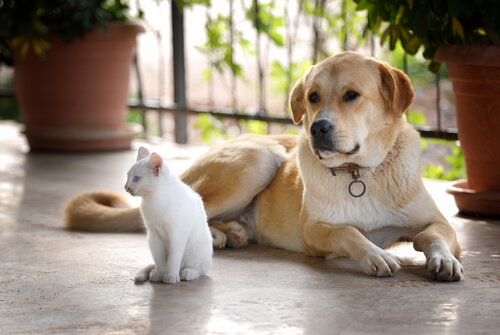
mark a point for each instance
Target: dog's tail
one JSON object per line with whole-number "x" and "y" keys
{"x": 143, "y": 275}
{"x": 102, "y": 212}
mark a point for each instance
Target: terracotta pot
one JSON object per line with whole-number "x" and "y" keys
{"x": 76, "y": 99}
{"x": 474, "y": 203}
{"x": 475, "y": 73}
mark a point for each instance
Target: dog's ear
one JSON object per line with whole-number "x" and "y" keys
{"x": 396, "y": 89}
{"x": 297, "y": 103}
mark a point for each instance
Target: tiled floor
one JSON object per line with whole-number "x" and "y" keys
{"x": 57, "y": 281}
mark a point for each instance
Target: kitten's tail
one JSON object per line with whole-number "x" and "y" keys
{"x": 101, "y": 212}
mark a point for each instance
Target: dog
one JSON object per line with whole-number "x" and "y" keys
{"x": 348, "y": 185}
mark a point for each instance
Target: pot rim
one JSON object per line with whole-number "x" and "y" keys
{"x": 135, "y": 27}
{"x": 476, "y": 55}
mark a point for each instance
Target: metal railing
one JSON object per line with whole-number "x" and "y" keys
{"x": 181, "y": 110}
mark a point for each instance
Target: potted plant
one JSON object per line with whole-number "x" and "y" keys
{"x": 466, "y": 35}
{"x": 71, "y": 65}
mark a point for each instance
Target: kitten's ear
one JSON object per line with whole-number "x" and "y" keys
{"x": 143, "y": 153}
{"x": 155, "y": 163}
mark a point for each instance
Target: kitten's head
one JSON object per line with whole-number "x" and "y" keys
{"x": 142, "y": 176}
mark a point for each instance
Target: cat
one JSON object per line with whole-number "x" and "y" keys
{"x": 175, "y": 219}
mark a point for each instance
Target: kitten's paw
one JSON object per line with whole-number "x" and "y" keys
{"x": 236, "y": 235}
{"x": 171, "y": 278}
{"x": 156, "y": 276}
{"x": 189, "y": 274}
{"x": 219, "y": 238}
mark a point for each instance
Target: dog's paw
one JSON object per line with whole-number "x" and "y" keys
{"x": 171, "y": 278}
{"x": 379, "y": 263}
{"x": 236, "y": 235}
{"x": 189, "y": 274}
{"x": 444, "y": 266}
{"x": 218, "y": 238}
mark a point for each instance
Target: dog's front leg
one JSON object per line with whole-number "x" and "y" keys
{"x": 234, "y": 235}
{"x": 323, "y": 239}
{"x": 439, "y": 243}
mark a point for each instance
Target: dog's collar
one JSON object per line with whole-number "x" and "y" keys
{"x": 353, "y": 169}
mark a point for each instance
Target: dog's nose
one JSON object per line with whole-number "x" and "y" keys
{"x": 321, "y": 128}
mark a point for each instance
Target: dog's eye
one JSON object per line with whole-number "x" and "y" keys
{"x": 350, "y": 96}
{"x": 313, "y": 97}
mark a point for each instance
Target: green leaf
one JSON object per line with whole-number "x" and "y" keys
{"x": 238, "y": 72}
{"x": 457, "y": 28}
{"x": 23, "y": 51}
{"x": 210, "y": 127}
{"x": 40, "y": 47}
{"x": 413, "y": 45}
{"x": 39, "y": 28}
{"x": 393, "y": 37}
{"x": 277, "y": 38}
{"x": 254, "y": 126}
{"x": 400, "y": 13}
{"x": 206, "y": 75}
{"x": 373, "y": 17}
{"x": 385, "y": 34}
{"x": 362, "y": 4}
{"x": 410, "y": 43}
{"x": 434, "y": 67}
{"x": 416, "y": 118}
{"x": 423, "y": 144}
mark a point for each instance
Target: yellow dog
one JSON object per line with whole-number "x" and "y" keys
{"x": 348, "y": 185}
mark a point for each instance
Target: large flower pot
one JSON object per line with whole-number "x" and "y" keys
{"x": 76, "y": 99}
{"x": 475, "y": 74}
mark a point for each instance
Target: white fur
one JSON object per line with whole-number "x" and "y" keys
{"x": 176, "y": 222}
{"x": 443, "y": 264}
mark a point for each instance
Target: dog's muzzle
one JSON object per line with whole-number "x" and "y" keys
{"x": 323, "y": 143}
{"x": 321, "y": 134}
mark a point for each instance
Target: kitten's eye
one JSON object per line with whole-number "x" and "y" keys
{"x": 313, "y": 97}
{"x": 350, "y": 96}
{"x": 137, "y": 178}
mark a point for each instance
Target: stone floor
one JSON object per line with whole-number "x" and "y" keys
{"x": 56, "y": 281}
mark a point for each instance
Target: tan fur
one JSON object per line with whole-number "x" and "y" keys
{"x": 292, "y": 201}
{"x": 102, "y": 211}
{"x": 239, "y": 159}
{"x": 233, "y": 234}
{"x": 277, "y": 204}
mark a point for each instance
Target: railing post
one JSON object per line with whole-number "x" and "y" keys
{"x": 179, "y": 72}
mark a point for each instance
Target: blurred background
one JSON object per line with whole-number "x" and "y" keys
{"x": 240, "y": 62}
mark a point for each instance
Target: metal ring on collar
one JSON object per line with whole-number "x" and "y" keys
{"x": 362, "y": 192}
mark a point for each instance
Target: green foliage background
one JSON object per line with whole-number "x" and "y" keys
{"x": 337, "y": 19}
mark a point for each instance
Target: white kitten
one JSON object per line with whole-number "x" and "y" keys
{"x": 176, "y": 222}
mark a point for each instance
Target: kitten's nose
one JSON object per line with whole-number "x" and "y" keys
{"x": 128, "y": 189}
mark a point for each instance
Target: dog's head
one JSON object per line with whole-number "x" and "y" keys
{"x": 349, "y": 105}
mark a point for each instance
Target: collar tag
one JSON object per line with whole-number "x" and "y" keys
{"x": 353, "y": 169}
